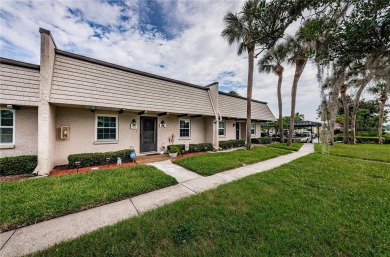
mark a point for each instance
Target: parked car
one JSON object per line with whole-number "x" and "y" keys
{"x": 303, "y": 138}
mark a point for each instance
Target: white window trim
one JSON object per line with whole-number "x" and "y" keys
{"x": 224, "y": 128}
{"x": 116, "y": 128}
{"x": 189, "y": 133}
{"x": 255, "y": 129}
{"x": 10, "y": 145}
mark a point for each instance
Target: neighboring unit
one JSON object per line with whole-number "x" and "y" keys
{"x": 74, "y": 104}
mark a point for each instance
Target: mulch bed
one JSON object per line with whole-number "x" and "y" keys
{"x": 15, "y": 177}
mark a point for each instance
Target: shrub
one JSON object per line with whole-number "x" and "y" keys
{"x": 262, "y": 140}
{"x": 24, "y": 164}
{"x": 174, "y": 149}
{"x": 203, "y": 147}
{"x": 231, "y": 143}
{"x": 94, "y": 159}
{"x": 365, "y": 140}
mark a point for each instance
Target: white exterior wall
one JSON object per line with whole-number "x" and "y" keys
{"x": 82, "y": 126}
{"x": 26, "y": 133}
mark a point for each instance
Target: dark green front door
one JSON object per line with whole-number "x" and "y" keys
{"x": 148, "y": 134}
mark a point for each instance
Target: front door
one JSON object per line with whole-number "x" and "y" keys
{"x": 237, "y": 130}
{"x": 148, "y": 134}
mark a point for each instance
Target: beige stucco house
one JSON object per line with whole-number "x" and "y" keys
{"x": 74, "y": 104}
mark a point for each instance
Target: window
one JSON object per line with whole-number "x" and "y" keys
{"x": 253, "y": 129}
{"x": 185, "y": 127}
{"x": 7, "y": 126}
{"x": 221, "y": 129}
{"x": 106, "y": 127}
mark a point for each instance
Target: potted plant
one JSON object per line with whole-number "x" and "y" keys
{"x": 174, "y": 151}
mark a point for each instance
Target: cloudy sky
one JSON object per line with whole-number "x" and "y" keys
{"x": 176, "y": 39}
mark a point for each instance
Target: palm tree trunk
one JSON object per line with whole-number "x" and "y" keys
{"x": 299, "y": 66}
{"x": 381, "y": 114}
{"x": 281, "y": 132}
{"x": 251, "y": 58}
{"x": 346, "y": 115}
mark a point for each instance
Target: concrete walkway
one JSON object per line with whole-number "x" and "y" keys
{"x": 45, "y": 234}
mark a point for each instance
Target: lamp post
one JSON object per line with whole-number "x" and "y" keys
{"x": 77, "y": 165}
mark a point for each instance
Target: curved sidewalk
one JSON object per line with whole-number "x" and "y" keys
{"x": 45, "y": 234}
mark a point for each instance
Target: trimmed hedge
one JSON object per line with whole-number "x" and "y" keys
{"x": 365, "y": 140}
{"x": 24, "y": 164}
{"x": 95, "y": 159}
{"x": 262, "y": 140}
{"x": 203, "y": 147}
{"x": 231, "y": 143}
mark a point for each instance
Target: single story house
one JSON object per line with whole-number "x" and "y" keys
{"x": 75, "y": 104}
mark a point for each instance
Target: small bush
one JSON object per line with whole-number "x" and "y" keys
{"x": 24, "y": 164}
{"x": 95, "y": 159}
{"x": 203, "y": 147}
{"x": 262, "y": 140}
{"x": 365, "y": 140}
{"x": 231, "y": 143}
{"x": 174, "y": 149}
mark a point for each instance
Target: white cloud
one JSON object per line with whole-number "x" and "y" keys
{"x": 196, "y": 53}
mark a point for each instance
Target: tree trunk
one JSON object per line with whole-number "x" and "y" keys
{"x": 299, "y": 66}
{"x": 381, "y": 114}
{"x": 356, "y": 107}
{"x": 251, "y": 58}
{"x": 281, "y": 131}
{"x": 333, "y": 112}
{"x": 346, "y": 114}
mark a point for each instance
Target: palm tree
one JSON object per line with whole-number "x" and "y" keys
{"x": 272, "y": 62}
{"x": 299, "y": 56}
{"x": 382, "y": 91}
{"x": 241, "y": 28}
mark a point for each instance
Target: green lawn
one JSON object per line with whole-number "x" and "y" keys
{"x": 29, "y": 201}
{"x": 293, "y": 147}
{"x": 360, "y": 151}
{"x": 211, "y": 163}
{"x": 318, "y": 205}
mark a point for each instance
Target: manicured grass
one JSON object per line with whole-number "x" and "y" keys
{"x": 293, "y": 147}
{"x": 30, "y": 201}
{"x": 318, "y": 205}
{"x": 211, "y": 163}
{"x": 359, "y": 151}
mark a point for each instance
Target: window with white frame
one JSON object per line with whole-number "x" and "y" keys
{"x": 7, "y": 126}
{"x": 253, "y": 129}
{"x": 185, "y": 128}
{"x": 221, "y": 128}
{"x": 106, "y": 127}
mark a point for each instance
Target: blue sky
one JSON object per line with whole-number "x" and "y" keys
{"x": 176, "y": 39}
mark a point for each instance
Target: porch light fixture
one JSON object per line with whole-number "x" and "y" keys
{"x": 121, "y": 110}
{"x": 163, "y": 124}
{"x": 234, "y": 124}
{"x": 93, "y": 108}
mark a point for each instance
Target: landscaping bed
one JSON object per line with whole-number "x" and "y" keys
{"x": 360, "y": 151}
{"x": 293, "y": 147}
{"x": 318, "y": 205}
{"x": 30, "y": 201}
{"x": 211, "y": 163}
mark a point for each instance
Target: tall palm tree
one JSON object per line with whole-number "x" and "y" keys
{"x": 382, "y": 91}
{"x": 272, "y": 62}
{"x": 298, "y": 51}
{"x": 241, "y": 29}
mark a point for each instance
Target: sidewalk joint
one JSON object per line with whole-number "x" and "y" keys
{"x": 8, "y": 240}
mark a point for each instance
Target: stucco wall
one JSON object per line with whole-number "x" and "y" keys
{"x": 26, "y": 133}
{"x": 230, "y": 131}
{"x": 82, "y": 132}
{"x": 81, "y": 124}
